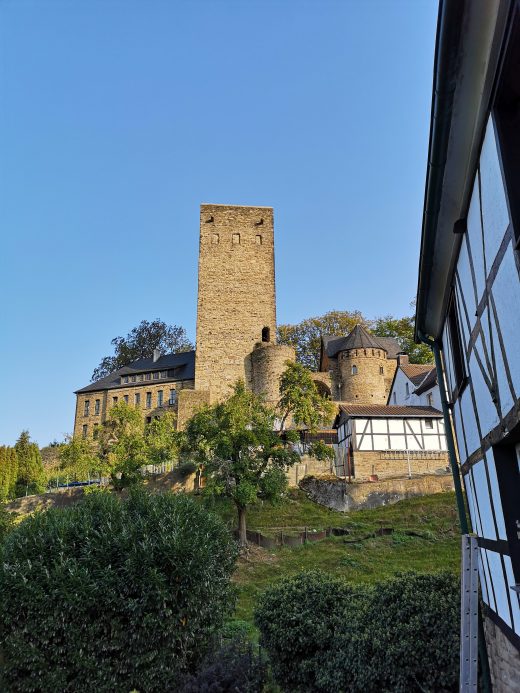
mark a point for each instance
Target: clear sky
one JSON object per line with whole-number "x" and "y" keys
{"x": 118, "y": 118}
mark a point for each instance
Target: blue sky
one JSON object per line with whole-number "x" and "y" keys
{"x": 118, "y": 118}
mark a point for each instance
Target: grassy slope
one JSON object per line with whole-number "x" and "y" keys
{"x": 368, "y": 560}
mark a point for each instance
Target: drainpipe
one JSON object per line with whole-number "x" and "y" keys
{"x": 464, "y": 526}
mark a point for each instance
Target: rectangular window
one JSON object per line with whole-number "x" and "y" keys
{"x": 126, "y": 399}
{"x": 95, "y": 432}
{"x": 164, "y": 374}
{"x": 156, "y": 375}
{"x": 148, "y": 376}
{"x": 133, "y": 378}
{"x": 125, "y": 379}
{"x": 84, "y": 431}
{"x": 173, "y": 398}
{"x": 114, "y": 400}
{"x": 236, "y": 239}
{"x": 459, "y": 372}
{"x": 87, "y": 408}
{"x": 160, "y": 398}
{"x": 148, "y": 419}
{"x": 137, "y": 399}
{"x": 428, "y": 423}
{"x": 148, "y": 400}
{"x": 429, "y": 399}
{"x": 140, "y": 377}
{"x": 97, "y": 406}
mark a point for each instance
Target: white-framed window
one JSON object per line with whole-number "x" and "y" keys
{"x": 428, "y": 423}
{"x": 354, "y": 370}
{"x": 160, "y": 398}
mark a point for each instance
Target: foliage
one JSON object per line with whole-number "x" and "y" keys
{"x": 300, "y": 399}
{"x": 242, "y": 456}
{"x": 162, "y": 440}
{"x": 8, "y": 472}
{"x": 78, "y": 458}
{"x": 306, "y": 335}
{"x": 115, "y": 595}
{"x": 402, "y": 329}
{"x": 122, "y": 445}
{"x": 31, "y": 476}
{"x": 6, "y": 522}
{"x": 140, "y": 343}
{"x": 233, "y": 667}
{"x": 400, "y": 635}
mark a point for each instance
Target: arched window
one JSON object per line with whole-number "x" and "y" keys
{"x": 354, "y": 370}
{"x": 266, "y": 334}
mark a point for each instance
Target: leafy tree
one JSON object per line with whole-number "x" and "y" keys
{"x": 306, "y": 335}
{"x": 300, "y": 400}
{"x": 162, "y": 440}
{"x": 242, "y": 455}
{"x": 31, "y": 475}
{"x": 140, "y": 343}
{"x": 115, "y": 595}
{"x": 78, "y": 458}
{"x": 8, "y": 472}
{"x": 402, "y": 329}
{"x": 122, "y": 445}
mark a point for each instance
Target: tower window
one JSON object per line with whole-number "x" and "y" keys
{"x": 236, "y": 239}
{"x": 259, "y": 239}
{"x": 215, "y": 238}
{"x": 354, "y": 370}
{"x": 381, "y": 370}
{"x": 266, "y": 334}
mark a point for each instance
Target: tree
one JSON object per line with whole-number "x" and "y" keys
{"x": 6, "y": 521}
{"x": 31, "y": 475}
{"x": 140, "y": 343}
{"x": 402, "y": 329}
{"x": 162, "y": 440}
{"x": 115, "y": 595}
{"x": 243, "y": 457}
{"x": 122, "y": 445}
{"x": 300, "y": 399}
{"x": 78, "y": 458}
{"x": 8, "y": 472}
{"x": 306, "y": 335}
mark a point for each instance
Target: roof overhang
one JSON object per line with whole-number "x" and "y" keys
{"x": 469, "y": 38}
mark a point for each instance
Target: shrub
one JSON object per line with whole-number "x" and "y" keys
{"x": 112, "y": 595}
{"x": 298, "y": 620}
{"x": 400, "y": 635}
{"x": 187, "y": 468}
{"x": 233, "y": 667}
{"x": 6, "y": 521}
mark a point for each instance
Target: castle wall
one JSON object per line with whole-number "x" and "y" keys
{"x": 236, "y": 294}
{"x": 268, "y": 362}
{"x": 367, "y": 385}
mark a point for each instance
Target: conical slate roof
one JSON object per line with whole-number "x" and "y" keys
{"x": 359, "y": 338}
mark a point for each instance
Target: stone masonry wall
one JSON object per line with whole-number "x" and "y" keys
{"x": 106, "y": 398}
{"x": 268, "y": 362}
{"x": 504, "y": 660}
{"x": 367, "y": 386}
{"x": 369, "y": 462}
{"x": 236, "y": 295}
{"x": 189, "y": 402}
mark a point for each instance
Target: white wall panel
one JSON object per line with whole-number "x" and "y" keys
{"x": 483, "y": 580}
{"x": 466, "y": 282}
{"x": 471, "y": 502}
{"x": 514, "y": 596}
{"x": 506, "y": 292}
{"x": 397, "y": 442}
{"x": 494, "y": 205}
{"x": 379, "y": 425}
{"x": 487, "y": 412}
{"x": 474, "y": 239}
{"x": 499, "y": 586}
{"x": 477, "y": 527}
{"x": 414, "y": 444}
{"x": 414, "y": 424}
{"x": 459, "y": 433}
{"x": 495, "y": 495}
{"x": 366, "y": 444}
{"x": 381, "y": 442}
{"x": 396, "y": 425}
{"x": 470, "y": 423}
{"x": 484, "y": 502}
{"x": 431, "y": 443}
{"x": 446, "y": 347}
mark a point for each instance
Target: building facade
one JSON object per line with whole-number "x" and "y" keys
{"x": 389, "y": 441}
{"x": 415, "y": 384}
{"x": 469, "y": 290}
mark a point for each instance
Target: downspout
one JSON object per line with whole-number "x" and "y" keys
{"x": 463, "y": 519}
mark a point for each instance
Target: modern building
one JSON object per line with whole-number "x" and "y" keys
{"x": 415, "y": 384}
{"x": 468, "y": 300}
{"x": 389, "y": 441}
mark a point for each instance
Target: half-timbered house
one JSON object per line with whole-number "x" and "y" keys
{"x": 468, "y": 301}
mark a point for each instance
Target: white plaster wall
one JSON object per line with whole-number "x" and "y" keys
{"x": 399, "y": 388}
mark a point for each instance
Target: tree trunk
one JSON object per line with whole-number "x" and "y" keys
{"x": 242, "y": 534}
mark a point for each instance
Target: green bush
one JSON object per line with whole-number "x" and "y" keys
{"x": 112, "y": 595}
{"x": 6, "y": 521}
{"x": 298, "y": 620}
{"x": 400, "y": 635}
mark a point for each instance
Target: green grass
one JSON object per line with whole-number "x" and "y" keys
{"x": 366, "y": 560}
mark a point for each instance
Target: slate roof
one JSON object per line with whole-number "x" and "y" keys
{"x": 416, "y": 372}
{"x": 428, "y": 382}
{"x": 360, "y": 338}
{"x": 383, "y": 411}
{"x": 183, "y": 364}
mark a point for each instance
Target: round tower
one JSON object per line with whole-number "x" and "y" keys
{"x": 268, "y": 362}
{"x": 362, "y": 372}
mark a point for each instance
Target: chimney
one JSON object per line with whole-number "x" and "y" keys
{"x": 402, "y": 359}
{"x": 156, "y": 355}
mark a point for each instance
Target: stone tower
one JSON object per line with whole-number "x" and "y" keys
{"x": 362, "y": 365}
{"x": 236, "y": 298}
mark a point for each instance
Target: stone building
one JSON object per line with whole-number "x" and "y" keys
{"x": 236, "y": 329}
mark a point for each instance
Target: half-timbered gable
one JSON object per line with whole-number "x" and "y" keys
{"x": 468, "y": 302}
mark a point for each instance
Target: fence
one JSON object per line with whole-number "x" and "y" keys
{"x": 95, "y": 479}
{"x": 281, "y": 538}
